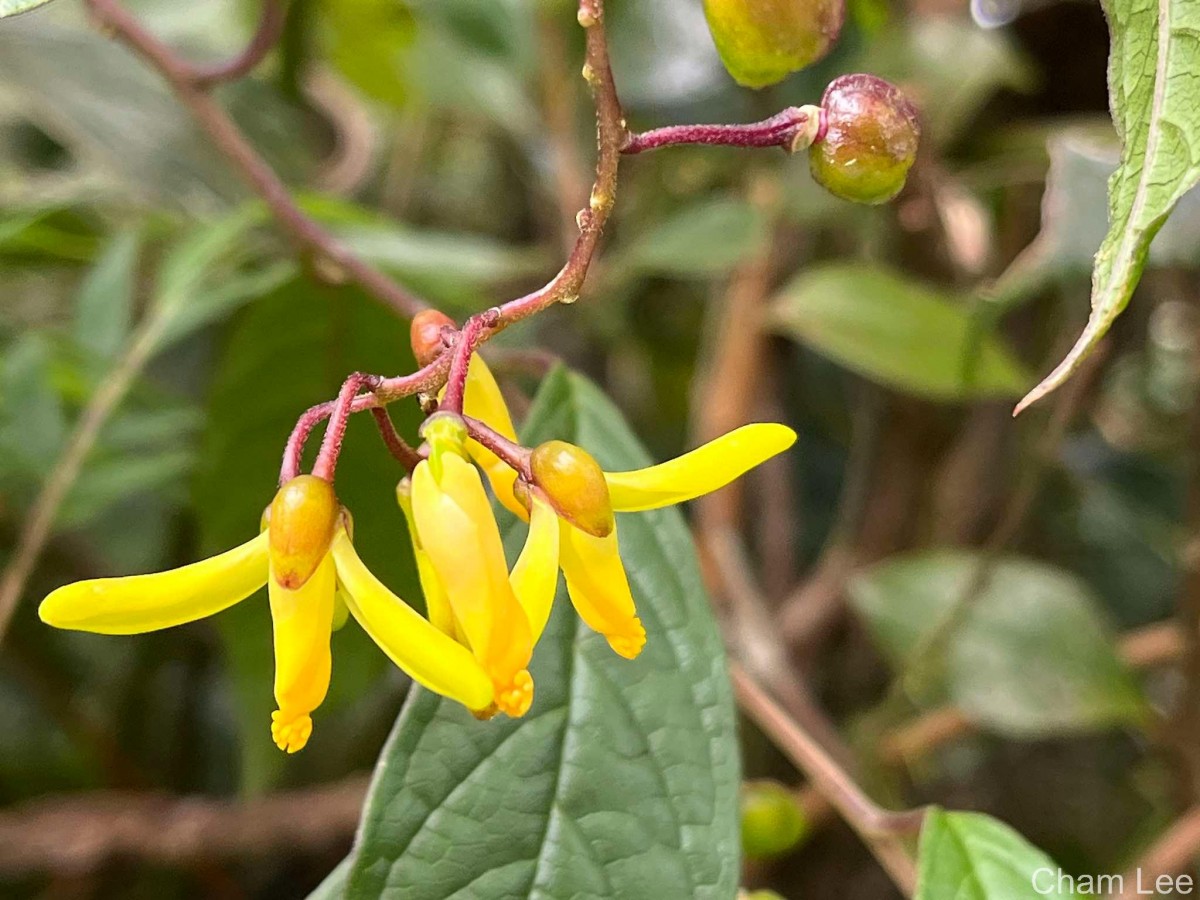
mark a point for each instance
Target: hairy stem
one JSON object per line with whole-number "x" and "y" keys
{"x": 793, "y": 129}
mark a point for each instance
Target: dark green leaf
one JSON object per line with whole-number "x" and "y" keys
{"x": 622, "y": 779}
{"x": 897, "y": 332}
{"x": 1031, "y": 653}
{"x": 1155, "y": 100}
{"x": 970, "y": 856}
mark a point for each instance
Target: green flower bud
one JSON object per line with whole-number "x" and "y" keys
{"x": 773, "y": 822}
{"x": 870, "y": 140}
{"x": 762, "y": 41}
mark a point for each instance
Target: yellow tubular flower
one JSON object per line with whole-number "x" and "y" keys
{"x": 458, "y": 531}
{"x": 437, "y": 605}
{"x": 534, "y": 578}
{"x": 701, "y": 471}
{"x": 599, "y": 589}
{"x": 482, "y": 400}
{"x": 588, "y": 548}
{"x": 428, "y": 656}
{"x": 302, "y": 620}
{"x": 136, "y": 604}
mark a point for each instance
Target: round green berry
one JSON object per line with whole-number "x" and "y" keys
{"x": 870, "y": 141}
{"x": 773, "y": 822}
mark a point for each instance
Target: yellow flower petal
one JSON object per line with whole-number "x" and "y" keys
{"x": 458, "y": 530}
{"x": 701, "y": 471}
{"x": 341, "y": 612}
{"x": 599, "y": 588}
{"x": 301, "y": 620}
{"x": 535, "y": 576}
{"x": 140, "y": 603}
{"x": 437, "y": 605}
{"x": 428, "y": 656}
{"x": 482, "y": 400}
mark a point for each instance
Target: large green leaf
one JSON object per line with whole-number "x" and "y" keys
{"x": 1155, "y": 99}
{"x": 895, "y": 331}
{"x": 1030, "y": 653}
{"x": 622, "y": 779}
{"x": 970, "y": 856}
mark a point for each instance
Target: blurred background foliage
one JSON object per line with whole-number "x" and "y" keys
{"x": 144, "y": 293}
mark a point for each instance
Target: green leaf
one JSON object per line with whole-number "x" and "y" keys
{"x": 621, "y": 781}
{"x": 288, "y": 351}
{"x": 970, "y": 856}
{"x": 14, "y": 7}
{"x": 211, "y": 273}
{"x": 952, "y": 66}
{"x": 701, "y": 240}
{"x": 104, "y": 304}
{"x": 1155, "y": 99}
{"x": 1030, "y": 654}
{"x": 450, "y": 268}
{"x": 897, "y": 332}
{"x": 33, "y": 425}
{"x": 112, "y": 112}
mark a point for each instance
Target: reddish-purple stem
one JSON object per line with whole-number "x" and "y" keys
{"x": 397, "y": 446}
{"x": 266, "y": 36}
{"x": 387, "y": 390}
{"x": 781, "y": 130}
{"x": 335, "y": 432}
{"x": 460, "y": 363}
{"x": 509, "y": 451}
{"x": 564, "y": 287}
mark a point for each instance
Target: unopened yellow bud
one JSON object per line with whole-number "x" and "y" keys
{"x": 302, "y": 518}
{"x": 574, "y": 483}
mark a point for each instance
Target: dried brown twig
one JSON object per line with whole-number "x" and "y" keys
{"x": 82, "y": 833}
{"x": 883, "y": 831}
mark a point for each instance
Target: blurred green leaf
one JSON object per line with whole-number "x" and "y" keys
{"x": 449, "y": 268}
{"x": 1156, "y": 108}
{"x": 1030, "y": 654}
{"x": 1075, "y": 213}
{"x": 623, "y": 778}
{"x": 104, "y": 304}
{"x": 33, "y": 425}
{"x": 367, "y": 40}
{"x": 111, "y": 112}
{"x": 970, "y": 856}
{"x": 951, "y": 66}
{"x": 187, "y": 290}
{"x": 288, "y": 351}
{"x": 702, "y": 240}
{"x": 895, "y": 331}
{"x": 13, "y": 7}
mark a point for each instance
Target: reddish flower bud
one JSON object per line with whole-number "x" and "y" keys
{"x": 870, "y": 140}
{"x": 426, "y": 334}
